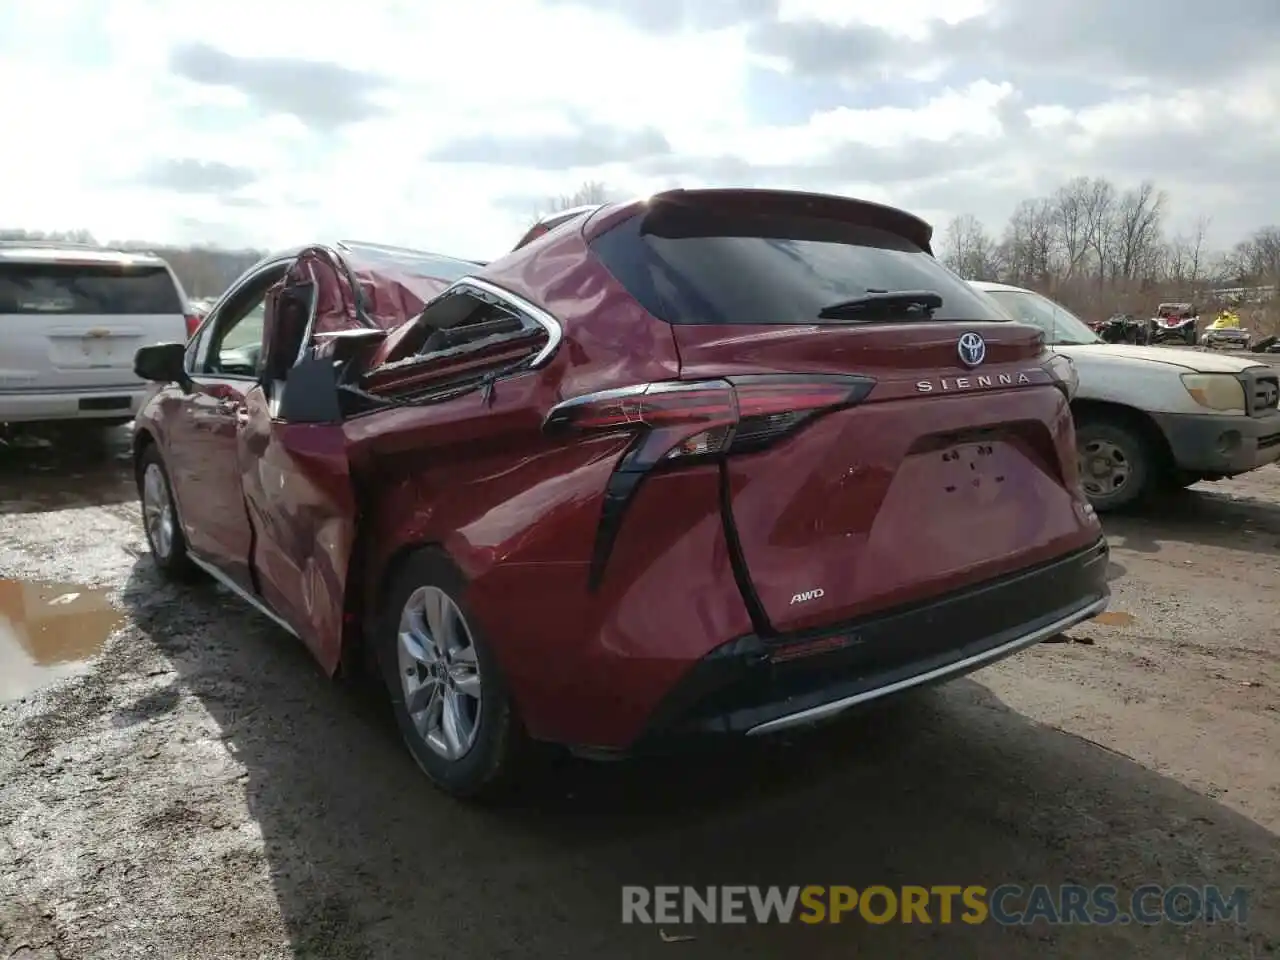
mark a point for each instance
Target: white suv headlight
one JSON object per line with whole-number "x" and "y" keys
{"x": 1216, "y": 391}
{"x": 1064, "y": 374}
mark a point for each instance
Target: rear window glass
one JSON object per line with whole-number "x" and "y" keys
{"x": 695, "y": 267}
{"x": 111, "y": 289}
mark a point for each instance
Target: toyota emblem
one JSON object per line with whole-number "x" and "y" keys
{"x": 972, "y": 349}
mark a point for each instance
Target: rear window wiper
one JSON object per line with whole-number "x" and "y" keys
{"x": 882, "y": 304}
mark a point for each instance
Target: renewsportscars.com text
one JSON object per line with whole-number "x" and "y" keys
{"x": 1008, "y": 904}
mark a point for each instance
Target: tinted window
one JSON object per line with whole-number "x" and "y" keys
{"x": 695, "y": 267}
{"x": 60, "y": 288}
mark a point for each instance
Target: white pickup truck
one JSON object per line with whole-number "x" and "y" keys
{"x": 1151, "y": 417}
{"x": 72, "y": 317}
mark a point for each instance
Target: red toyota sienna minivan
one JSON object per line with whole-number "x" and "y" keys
{"x": 715, "y": 463}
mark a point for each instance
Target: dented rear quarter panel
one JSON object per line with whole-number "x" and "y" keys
{"x": 517, "y": 510}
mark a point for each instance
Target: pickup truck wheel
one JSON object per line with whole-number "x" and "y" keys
{"x": 447, "y": 692}
{"x": 1116, "y": 464}
{"x": 160, "y": 519}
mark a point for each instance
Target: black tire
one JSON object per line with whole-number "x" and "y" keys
{"x": 501, "y": 748}
{"x": 1191, "y": 337}
{"x": 173, "y": 562}
{"x": 1114, "y": 436}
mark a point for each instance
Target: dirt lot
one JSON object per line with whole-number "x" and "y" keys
{"x": 199, "y": 790}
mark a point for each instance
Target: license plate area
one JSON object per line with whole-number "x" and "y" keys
{"x": 90, "y": 352}
{"x": 974, "y": 471}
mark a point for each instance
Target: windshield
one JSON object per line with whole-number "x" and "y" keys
{"x": 1060, "y": 326}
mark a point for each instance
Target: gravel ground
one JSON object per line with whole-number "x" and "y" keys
{"x": 199, "y": 790}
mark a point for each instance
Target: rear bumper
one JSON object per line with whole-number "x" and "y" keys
{"x": 752, "y": 686}
{"x": 1223, "y": 445}
{"x": 99, "y": 403}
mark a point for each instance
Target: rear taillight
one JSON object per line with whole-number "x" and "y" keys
{"x": 679, "y": 420}
{"x": 682, "y": 423}
{"x": 193, "y": 321}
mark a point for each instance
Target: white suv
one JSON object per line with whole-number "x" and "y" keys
{"x": 71, "y": 318}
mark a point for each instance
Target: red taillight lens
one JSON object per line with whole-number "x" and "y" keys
{"x": 772, "y": 407}
{"x": 193, "y": 321}
{"x": 709, "y": 417}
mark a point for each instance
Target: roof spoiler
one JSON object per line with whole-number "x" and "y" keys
{"x": 824, "y": 205}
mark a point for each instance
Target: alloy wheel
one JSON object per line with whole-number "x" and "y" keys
{"x": 157, "y": 511}
{"x": 439, "y": 672}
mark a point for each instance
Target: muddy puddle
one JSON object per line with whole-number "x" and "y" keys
{"x": 1114, "y": 618}
{"x": 49, "y": 630}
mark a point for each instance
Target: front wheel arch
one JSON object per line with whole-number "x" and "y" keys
{"x": 142, "y": 439}
{"x": 1138, "y": 422}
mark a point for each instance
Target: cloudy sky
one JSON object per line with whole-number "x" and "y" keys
{"x": 444, "y": 124}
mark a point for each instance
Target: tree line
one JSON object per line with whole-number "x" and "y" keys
{"x": 1093, "y": 246}
{"x": 1099, "y": 249}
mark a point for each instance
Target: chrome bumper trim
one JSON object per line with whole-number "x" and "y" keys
{"x": 826, "y": 710}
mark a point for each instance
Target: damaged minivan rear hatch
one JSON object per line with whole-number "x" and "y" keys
{"x": 896, "y": 439}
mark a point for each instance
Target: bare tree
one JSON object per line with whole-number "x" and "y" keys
{"x": 970, "y": 251}
{"x": 1176, "y": 259}
{"x": 62, "y": 236}
{"x": 1071, "y": 223}
{"x": 1135, "y": 228}
{"x": 589, "y": 191}
{"x": 1029, "y": 239}
{"x": 1099, "y": 200}
{"x": 1099, "y": 248}
{"x": 1196, "y": 248}
{"x": 1258, "y": 258}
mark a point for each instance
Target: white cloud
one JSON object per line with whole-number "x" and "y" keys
{"x": 904, "y": 17}
{"x": 103, "y": 102}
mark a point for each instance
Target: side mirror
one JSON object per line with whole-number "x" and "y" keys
{"x": 162, "y": 363}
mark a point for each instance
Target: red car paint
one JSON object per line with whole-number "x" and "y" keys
{"x": 860, "y": 510}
